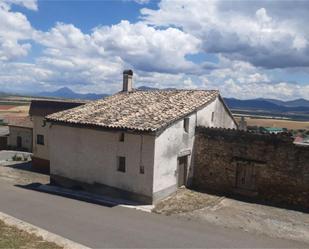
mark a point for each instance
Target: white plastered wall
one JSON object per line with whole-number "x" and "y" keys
{"x": 24, "y": 133}
{"x": 90, "y": 156}
{"x": 175, "y": 142}
{"x": 40, "y": 128}
{"x": 222, "y": 117}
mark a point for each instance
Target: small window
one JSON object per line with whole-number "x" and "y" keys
{"x": 40, "y": 139}
{"x": 121, "y": 137}
{"x": 212, "y": 116}
{"x": 141, "y": 169}
{"x": 121, "y": 164}
{"x": 186, "y": 122}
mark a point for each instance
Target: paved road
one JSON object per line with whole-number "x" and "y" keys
{"x": 101, "y": 227}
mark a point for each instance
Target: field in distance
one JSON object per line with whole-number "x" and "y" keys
{"x": 280, "y": 123}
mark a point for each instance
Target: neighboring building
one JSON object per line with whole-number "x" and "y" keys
{"x": 272, "y": 130}
{"x": 136, "y": 144}
{"x": 38, "y": 110}
{"x": 4, "y": 135}
{"x": 300, "y": 140}
{"x": 20, "y": 137}
{"x": 242, "y": 124}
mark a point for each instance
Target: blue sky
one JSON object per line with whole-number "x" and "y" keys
{"x": 246, "y": 49}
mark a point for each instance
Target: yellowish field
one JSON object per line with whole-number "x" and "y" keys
{"x": 8, "y": 114}
{"x": 289, "y": 124}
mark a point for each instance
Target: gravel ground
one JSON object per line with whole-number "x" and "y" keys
{"x": 254, "y": 218}
{"x": 185, "y": 201}
{"x": 19, "y": 172}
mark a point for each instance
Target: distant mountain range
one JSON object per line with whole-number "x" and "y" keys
{"x": 251, "y": 105}
{"x": 298, "y": 105}
{"x": 67, "y": 93}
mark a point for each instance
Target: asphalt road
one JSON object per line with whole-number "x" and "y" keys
{"x": 110, "y": 227}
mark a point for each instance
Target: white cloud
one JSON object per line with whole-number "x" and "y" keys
{"x": 15, "y": 32}
{"x": 147, "y": 48}
{"x": 29, "y": 4}
{"x": 247, "y": 42}
{"x": 255, "y": 37}
{"x": 142, "y": 1}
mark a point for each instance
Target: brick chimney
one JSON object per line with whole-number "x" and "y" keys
{"x": 127, "y": 81}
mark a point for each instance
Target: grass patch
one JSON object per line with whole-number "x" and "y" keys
{"x": 13, "y": 238}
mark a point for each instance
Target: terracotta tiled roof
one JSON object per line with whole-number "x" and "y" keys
{"x": 137, "y": 110}
{"x": 24, "y": 122}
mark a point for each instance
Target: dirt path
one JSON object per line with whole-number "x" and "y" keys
{"x": 254, "y": 218}
{"x": 19, "y": 172}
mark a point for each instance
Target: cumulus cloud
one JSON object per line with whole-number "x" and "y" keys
{"x": 97, "y": 57}
{"x": 147, "y": 48}
{"x": 15, "y": 31}
{"x": 142, "y": 1}
{"x": 249, "y": 40}
{"x": 29, "y": 4}
{"x": 255, "y": 37}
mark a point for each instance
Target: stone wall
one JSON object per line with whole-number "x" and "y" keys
{"x": 263, "y": 166}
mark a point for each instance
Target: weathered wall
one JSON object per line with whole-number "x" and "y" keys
{"x": 39, "y": 128}
{"x": 24, "y": 133}
{"x": 3, "y": 142}
{"x": 280, "y": 169}
{"x": 90, "y": 156}
{"x": 175, "y": 142}
{"x": 172, "y": 143}
{"x": 221, "y": 116}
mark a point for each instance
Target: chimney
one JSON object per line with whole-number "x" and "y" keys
{"x": 127, "y": 81}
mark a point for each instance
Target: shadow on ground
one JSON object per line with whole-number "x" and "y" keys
{"x": 27, "y": 166}
{"x": 253, "y": 200}
{"x": 74, "y": 194}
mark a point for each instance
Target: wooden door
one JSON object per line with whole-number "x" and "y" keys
{"x": 246, "y": 177}
{"x": 182, "y": 170}
{"x": 19, "y": 142}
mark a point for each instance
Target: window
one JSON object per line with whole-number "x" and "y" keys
{"x": 212, "y": 116}
{"x": 121, "y": 164}
{"x": 186, "y": 122}
{"x": 141, "y": 169}
{"x": 40, "y": 139}
{"x": 121, "y": 137}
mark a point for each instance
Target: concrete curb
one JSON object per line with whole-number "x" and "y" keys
{"x": 47, "y": 236}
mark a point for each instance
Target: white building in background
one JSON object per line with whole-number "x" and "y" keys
{"x": 134, "y": 144}
{"x": 38, "y": 110}
{"x": 20, "y": 134}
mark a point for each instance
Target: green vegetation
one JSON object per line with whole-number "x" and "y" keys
{"x": 14, "y": 103}
{"x": 13, "y": 238}
{"x": 19, "y": 158}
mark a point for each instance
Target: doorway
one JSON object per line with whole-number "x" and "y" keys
{"x": 246, "y": 176}
{"x": 19, "y": 142}
{"x": 182, "y": 170}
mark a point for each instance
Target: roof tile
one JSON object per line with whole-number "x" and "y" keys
{"x": 137, "y": 110}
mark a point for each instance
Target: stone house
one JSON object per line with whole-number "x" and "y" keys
{"x": 135, "y": 144}
{"x": 38, "y": 110}
{"x": 20, "y": 134}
